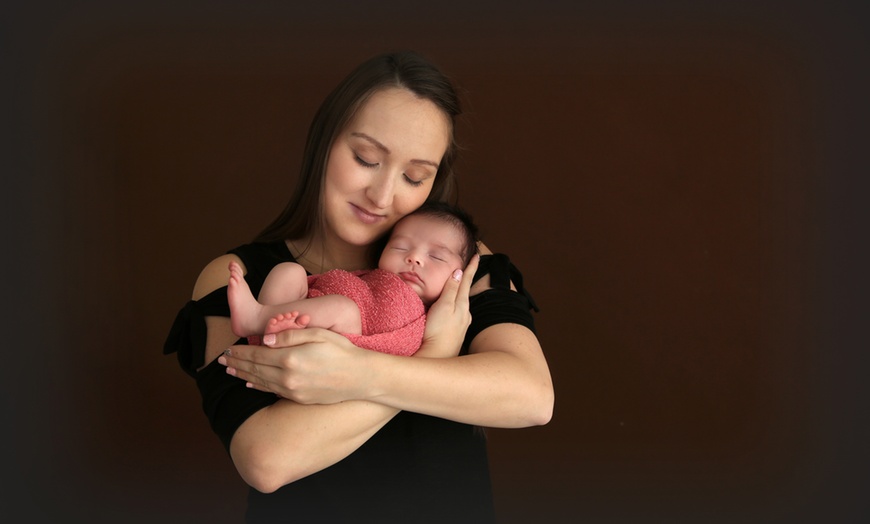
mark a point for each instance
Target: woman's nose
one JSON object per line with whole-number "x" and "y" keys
{"x": 380, "y": 191}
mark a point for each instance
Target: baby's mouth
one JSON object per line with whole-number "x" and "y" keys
{"x": 410, "y": 276}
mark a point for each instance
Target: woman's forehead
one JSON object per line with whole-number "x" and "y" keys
{"x": 403, "y": 124}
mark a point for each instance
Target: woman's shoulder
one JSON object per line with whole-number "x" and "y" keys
{"x": 213, "y": 276}
{"x": 256, "y": 258}
{"x": 493, "y": 271}
{"x": 498, "y": 296}
{"x": 496, "y": 271}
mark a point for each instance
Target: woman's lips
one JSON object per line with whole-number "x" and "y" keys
{"x": 365, "y": 216}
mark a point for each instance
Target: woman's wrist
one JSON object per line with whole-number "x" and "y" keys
{"x": 374, "y": 369}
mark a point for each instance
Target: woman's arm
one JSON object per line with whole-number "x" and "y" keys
{"x": 504, "y": 381}
{"x": 288, "y": 441}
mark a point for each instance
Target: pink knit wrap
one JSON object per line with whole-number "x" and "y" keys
{"x": 393, "y": 316}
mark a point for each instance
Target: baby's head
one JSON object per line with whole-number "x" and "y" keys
{"x": 428, "y": 245}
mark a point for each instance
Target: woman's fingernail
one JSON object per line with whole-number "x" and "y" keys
{"x": 222, "y": 360}
{"x": 269, "y": 339}
{"x": 231, "y": 371}
{"x": 457, "y": 275}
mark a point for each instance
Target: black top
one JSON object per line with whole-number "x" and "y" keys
{"x": 417, "y": 468}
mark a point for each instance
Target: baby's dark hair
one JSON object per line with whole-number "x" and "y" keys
{"x": 457, "y": 217}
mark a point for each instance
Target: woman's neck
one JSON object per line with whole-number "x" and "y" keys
{"x": 318, "y": 255}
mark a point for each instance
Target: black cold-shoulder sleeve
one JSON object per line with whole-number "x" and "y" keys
{"x": 188, "y": 333}
{"x": 500, "y": 304}
{"x": 226, "y": 400}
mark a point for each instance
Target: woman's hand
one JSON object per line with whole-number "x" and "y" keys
{"x": 448, "y": 318}
{"x": 308, "y": 366}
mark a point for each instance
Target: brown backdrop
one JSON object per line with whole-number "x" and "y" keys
{"x": 664, "y": 176}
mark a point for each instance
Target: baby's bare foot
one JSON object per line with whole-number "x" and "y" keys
{"x": 291, "y": 320}
{"x": 243, "y": 306}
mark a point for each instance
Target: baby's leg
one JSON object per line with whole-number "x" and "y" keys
{"x": 334, "y": 312}
{"x": 286, "y": 282}
{"x": 246, "y": 314}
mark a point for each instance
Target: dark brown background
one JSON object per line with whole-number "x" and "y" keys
{"x": 675, "y": 179}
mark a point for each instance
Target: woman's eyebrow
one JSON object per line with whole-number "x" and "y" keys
{"x": 374, "y": 142}
{"x": 386, "y": 150}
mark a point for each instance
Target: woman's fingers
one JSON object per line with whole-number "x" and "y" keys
{"x": 467, "y": 278}
{"x": 457, "y": 288}
{"x": 252, "y": 364}
{"x": 297, "y": 358}
{"x": 265, "y": 367}
{"x": 451, "y": 288}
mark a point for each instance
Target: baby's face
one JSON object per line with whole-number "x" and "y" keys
{"x": 424, "y": 251}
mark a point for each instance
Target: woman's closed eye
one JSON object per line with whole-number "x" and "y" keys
{"x": 363, "y": 163}
{"x": 411, "y": 181}
{"x": 371, "y": 165}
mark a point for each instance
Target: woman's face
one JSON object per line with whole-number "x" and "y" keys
{"x": 382, "y": 165}
{"x": 424, "y": 251}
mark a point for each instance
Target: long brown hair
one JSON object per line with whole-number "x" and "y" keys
{"x": 405, "y": 69}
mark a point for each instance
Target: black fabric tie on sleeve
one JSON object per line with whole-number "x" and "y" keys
{"x": 501, "y": 273}
{"x": 188, "y": 333}
{"x": 499, "y": 304}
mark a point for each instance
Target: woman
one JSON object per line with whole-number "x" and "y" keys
{"x": 323, "y": 430}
